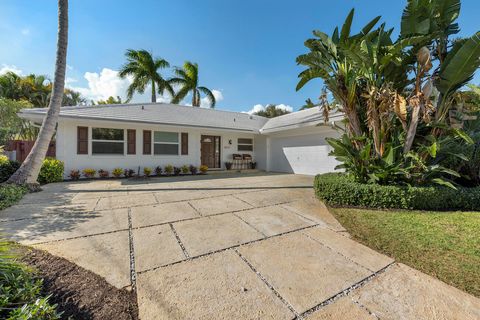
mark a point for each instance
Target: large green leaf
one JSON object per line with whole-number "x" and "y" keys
{"x": 460, "y": 65}
{"x": 345, "y": 33}
{"x": 416, "y": 18}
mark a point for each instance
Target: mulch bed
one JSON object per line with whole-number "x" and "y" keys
{"x": 79, "y": 293}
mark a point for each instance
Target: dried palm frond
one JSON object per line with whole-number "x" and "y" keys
{"x": 400, "y": 108}
{"x": 324, "y": 105}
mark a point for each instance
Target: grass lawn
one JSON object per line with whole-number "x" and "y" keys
{"x": 445, "y": 245}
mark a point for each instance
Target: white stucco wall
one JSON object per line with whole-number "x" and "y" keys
{"x": 301, "y": 151}
{"x": 67, "y": 146}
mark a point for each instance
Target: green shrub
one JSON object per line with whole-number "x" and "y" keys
{"x": 51, "y": 171}
{"x": 168, "y": 169}
{"x": 147, "y": 171}
{"x": 185, "y": 169}
{"x": 337, "y": 189}
{"x": 3, "y": 159}
{"x": 158, "y": 170}
{"x": 7, "y": 168}
{"x": 11, "y": 194}
{"x": 20, "y": 290}
{"x": 89, "y": 172}
{"x": 117, "y": 172}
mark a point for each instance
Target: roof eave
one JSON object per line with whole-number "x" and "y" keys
{"x": 33, "y": 116}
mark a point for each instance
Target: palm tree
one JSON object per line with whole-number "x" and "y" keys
{"x": 28, "y": 171}
{"x": 10, "y": 86}
{"x": 144, "y": 69}
{"x": 37, "y": 89}
{"x": 271, "y": 111}
{"x": 110, "y": 100}
{"x": 73, "y": 98}
{"x": 187, "y": 79}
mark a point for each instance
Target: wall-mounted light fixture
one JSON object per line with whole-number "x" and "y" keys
{"x": 230, "y": 141}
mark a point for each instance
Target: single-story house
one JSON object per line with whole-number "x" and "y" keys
{"x": 157, "y": 134}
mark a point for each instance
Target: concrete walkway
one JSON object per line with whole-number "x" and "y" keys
{"x": 227, "y": 247}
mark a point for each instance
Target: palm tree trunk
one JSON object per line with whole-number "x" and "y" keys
{"x": 30, "y": 168}
{"x": 194, "y": 98}
{"x": 154, "y": 93}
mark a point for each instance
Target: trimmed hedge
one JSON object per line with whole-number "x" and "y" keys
{"x": 337, "y": 189}
{"x": 7, "y": 168}
{"x": 51, "y": 171}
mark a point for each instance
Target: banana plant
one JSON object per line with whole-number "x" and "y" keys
{"x": 327, "y": 60}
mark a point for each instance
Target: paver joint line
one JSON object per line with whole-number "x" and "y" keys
{"x": 335, "y": 251}
{"x": 298, "y": 214}
{"x": 193, "y": 207}
{"x": 275, "y": 292}
{"x": 79, "y": 237}
{"x": 250, "y": 225}
{"x": 361, "y": 306}
{"x": 228, "y": 248}
{"x": 133, "y": 275}
{"x": 179, "y": 241}
{"x": 163, "y": 223}
{"x": 347, "y": 291}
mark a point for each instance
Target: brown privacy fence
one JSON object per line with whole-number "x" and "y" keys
{"x": 23, "y": 148}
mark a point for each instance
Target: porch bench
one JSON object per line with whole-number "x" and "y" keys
{"x": 241, "y": 162}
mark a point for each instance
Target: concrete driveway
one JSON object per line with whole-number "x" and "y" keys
{"x": 227, "y": 247}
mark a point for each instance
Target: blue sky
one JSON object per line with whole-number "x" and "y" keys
{"x": 245, "y": 49}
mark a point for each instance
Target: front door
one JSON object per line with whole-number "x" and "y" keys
{"x": 210, "y": 151}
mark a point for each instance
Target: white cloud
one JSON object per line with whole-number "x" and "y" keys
{"x": 205, "y": 103}
{"x": 6, "y": 68}
{"x": 25, "y": 31}
{"x": 107, "y": 83}
{"x": 69, "y": 80}
{"x": 260, "y": 107}
{"x": 102, "y": 85}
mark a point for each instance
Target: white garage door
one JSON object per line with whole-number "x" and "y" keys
{"x": 303, "y": 154}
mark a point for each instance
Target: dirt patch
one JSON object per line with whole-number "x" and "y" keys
{"x": 79, "y": 293}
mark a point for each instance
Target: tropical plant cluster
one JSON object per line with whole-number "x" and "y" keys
{"x": 408, "y": 119}
{"x": 11, "y": 125}
{"x": 337, "y": 189}
{"x": 168, "y": 170}
{"x": 20, "y": 290}
{"x": 34, "y": 89}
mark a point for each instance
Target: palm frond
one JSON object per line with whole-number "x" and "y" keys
{"x": 209, "y": 95}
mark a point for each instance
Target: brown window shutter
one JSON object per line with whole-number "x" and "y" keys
{"x": 147, "y": 142}
{"x": 184, "y": 143}
{"x": 131, "y": 141}
{"x": 82, "y": 140}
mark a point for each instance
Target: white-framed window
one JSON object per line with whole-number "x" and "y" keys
{"x": 166, "y": 143}
{"x": 244, "y": 144}
{"x": 108, "y": 141}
